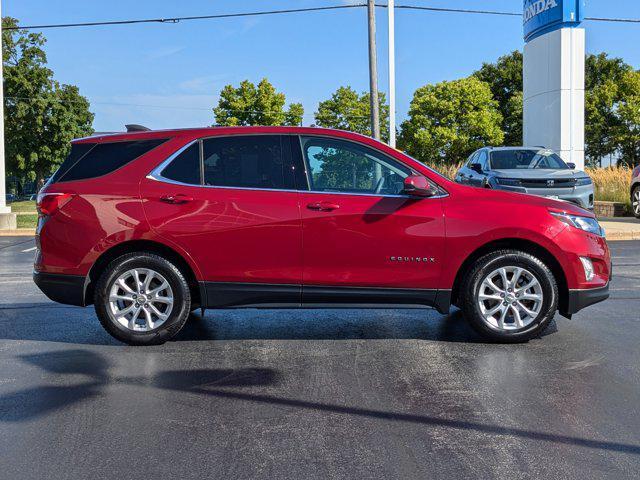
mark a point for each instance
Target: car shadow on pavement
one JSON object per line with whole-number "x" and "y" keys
{"x": 30, "y": 403}
{"x": 326, "y": 324}
{"x": 48, "y": 322}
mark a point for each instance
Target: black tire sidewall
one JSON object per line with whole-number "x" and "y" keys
{"x": 633, "y": 194}
{"x": 488, "y": 264}
{"x": 179, "y": 287}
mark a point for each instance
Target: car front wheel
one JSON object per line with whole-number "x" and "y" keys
{"x": 635, "y": 201}
{"x": 509, "y": 296}
{"x": 142, "y": 299}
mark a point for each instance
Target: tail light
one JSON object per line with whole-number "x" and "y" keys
{"x": 49, "y": 203}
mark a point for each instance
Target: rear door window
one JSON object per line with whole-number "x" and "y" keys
{"x": 248, "y": 161}
{"x": 90, "y": 160}
{"x": 185, "y": 168}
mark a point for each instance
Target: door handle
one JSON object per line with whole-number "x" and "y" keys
{"x": 177, "y": 199}
{"x": 323, "y": 206}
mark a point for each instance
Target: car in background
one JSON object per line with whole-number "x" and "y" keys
{"x": 9, "y": 198}
{"x": 532, "y": 170}
{"x": 635, "y": 191}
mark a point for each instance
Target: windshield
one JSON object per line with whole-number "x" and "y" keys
{"x": 521, "y": 159}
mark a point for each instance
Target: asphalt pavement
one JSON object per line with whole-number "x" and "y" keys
{"x": 317, "y": 394}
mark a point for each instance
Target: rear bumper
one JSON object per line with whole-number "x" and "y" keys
{"x": 581, "y": 298}
{"x": 67, "y": 289}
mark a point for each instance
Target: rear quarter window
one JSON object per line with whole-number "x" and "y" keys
{"x": 90, "y": 160}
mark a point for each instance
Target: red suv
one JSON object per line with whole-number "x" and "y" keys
{"x": 151, "y": 225}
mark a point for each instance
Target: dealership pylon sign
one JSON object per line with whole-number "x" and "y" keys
{"x": 553, "y": 77}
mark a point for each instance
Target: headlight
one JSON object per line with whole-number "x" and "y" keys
{"x": 511, "y": 182}
{"x": 583, "y": 181}
{"x": 587, "y": 224}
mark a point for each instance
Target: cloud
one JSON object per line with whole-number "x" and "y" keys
{"x": 203, "y": 84}
{"x": 164, "y": 52}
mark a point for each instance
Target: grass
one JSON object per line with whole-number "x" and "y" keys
{"x": 610, "y": 184}
{"x": 23, "y": 206}
{"x": 27, "y": 220}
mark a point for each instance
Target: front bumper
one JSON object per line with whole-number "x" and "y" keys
{"x": 67, "y": 289}
{"x": 581, "y": 298}
{"x": 581, "y": 195}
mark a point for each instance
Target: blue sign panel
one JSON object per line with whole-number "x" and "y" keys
{"x": 544, "y": 16}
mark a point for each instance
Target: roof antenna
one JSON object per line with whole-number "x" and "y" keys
{"x": 137, "y": 128}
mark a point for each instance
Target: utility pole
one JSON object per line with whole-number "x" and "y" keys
{"x": 7, "y": 219}
{"x": 373, "y": 71}
{"x": 392, "y": 73}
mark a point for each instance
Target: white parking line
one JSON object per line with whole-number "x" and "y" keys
{"x": 29, "y": 250}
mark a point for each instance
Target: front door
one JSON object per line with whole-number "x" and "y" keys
{"x": 230, "y": 203}
{"x": 360, "y": 233}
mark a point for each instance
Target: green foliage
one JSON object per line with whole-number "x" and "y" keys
{"x": 449, "y": 120}
{"x": 41, "y": 115}
{"x": 608, "y": 83}
{"x": 505, "y": 80}
{"x": 346, "y": 110}
{"x": 249, "y": 104}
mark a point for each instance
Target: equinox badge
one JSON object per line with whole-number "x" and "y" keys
{"x": 413, "y": 259}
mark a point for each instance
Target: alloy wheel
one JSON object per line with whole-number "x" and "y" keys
{"x": 635, "y": 201}
{"x": 510, "y": 298}
{"x": 140, "y": 299}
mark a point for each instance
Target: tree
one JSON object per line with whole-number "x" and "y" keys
{"x": 249, "y": 104}
{"x": 627, "y": 132}
{"x": 41, "y": 115}
{"x": 346, "y": 110}
{"x": 603, "y": 83}
{"x": 505, "y": 80}
{"x": 449, "y": 120}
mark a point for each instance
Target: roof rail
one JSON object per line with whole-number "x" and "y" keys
{"x": 132, "y": 127}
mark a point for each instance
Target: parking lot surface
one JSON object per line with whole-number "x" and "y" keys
{"x": 306, "y": 394}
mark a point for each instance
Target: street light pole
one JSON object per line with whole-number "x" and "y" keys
{"x": 373, "y": 71}
{"x": 392, "y": 73}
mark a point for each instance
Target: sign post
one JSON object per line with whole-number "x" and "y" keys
{"x": 553, "y": 77}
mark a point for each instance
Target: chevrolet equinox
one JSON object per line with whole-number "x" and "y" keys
{"x": 150, "y": 225}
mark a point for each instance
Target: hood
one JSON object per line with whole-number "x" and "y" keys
{"x": 527, "y": 173}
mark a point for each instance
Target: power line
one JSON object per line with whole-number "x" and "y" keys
{"x": 294, "y": 10}
{"x": 181, "y": 19}
{"x": 455, "y": 10}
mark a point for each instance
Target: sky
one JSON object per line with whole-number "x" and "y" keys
{"x": 170, "y": 75}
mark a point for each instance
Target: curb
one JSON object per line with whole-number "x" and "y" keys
{"x": 18, "y": 232}
{"x": 619, "y": 236}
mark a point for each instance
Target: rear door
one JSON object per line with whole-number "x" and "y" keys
{"x": 231, "y": 203}
{"x": 360, "y": 233}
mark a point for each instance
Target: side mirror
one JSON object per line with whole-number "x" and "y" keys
{"x": 571, "y": 165}
{"x": 418, "y": 186}
{"x": 476, "y": 167}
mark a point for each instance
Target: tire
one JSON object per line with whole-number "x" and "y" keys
{"x": 535, "y": 305}
{"x": 635, "y": 201}
{"x": 172, "y": 303}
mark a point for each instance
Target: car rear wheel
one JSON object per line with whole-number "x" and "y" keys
{"x": 142, "y": 299}
{"x": 509, "y": 296}
{"x": 635, "y": 202}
